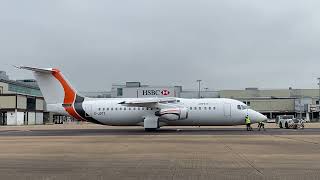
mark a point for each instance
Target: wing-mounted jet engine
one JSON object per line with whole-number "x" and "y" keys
{"x": 173, "y": 114}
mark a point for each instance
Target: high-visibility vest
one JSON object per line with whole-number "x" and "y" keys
{"x": 248, "y": 121}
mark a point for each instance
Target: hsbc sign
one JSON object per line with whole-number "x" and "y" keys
{"x": 166, "y": 92}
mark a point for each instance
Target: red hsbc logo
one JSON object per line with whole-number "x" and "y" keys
{"x": 165, "y": 92}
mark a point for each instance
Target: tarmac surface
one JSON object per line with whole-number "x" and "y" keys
{"x": 102, "y": 152}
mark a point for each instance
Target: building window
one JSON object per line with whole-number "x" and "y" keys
{"x": 317, "y": 102}
{"x": 249, "y": 103}
{"x": 119, "y": 92}
{"x": 24, "y": 90}
{"x": 31, "y": 104}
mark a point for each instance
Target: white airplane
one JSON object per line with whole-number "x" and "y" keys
{"x": 151, "y": 113}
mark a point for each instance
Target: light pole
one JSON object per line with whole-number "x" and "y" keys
{"x": 319, "y": 97}
{"x": 319, "y": 90}
{"x": 199, "y": 94}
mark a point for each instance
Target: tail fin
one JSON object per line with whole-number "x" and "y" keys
{"x": 57, "y": 91}
{"x": 54, "y": 86}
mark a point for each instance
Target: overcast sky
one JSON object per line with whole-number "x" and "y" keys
{"x": 229, "y": 44}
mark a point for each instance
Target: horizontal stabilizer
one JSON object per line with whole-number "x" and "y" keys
{"x": 40, "y": 70}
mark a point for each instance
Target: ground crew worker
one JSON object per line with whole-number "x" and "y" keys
{"x": 261, "y": 125}
{"x": 248, "y": 123}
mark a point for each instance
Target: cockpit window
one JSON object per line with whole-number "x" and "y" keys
{"x": 245, "y": 107}
{"x": 242, "y": 107}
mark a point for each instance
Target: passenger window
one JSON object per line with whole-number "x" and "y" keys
{"x": 120, "y": 109}
{"x": 213, "y": 108}
{"x": 125, "y": 109}
{"x": 239, "y": 107}
{"x": 111, "y": 109}
{"x": 99, "y": 109}
{"x": 134, "y": 109}
{"x": 195, "y": 108}
{"x": 199, "y": 108}
{"x": 190, "y": 108}
{"x": 209, "y": 108}
{"x": 129, "y": 109}
{"x": 107, "y": 109}
{"x": 115, "y": 109}
{"x": 205, "y": 108}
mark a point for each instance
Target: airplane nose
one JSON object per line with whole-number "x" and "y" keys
{"x": 256, "y": 116}
{"x": 262, "y": 118}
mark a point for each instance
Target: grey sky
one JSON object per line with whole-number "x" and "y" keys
{"x": 230, "y": 44}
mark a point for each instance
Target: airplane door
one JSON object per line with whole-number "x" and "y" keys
{"x": 227, "y": 110}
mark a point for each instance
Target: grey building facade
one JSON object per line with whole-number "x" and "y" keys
{"x": 21, "y": 102}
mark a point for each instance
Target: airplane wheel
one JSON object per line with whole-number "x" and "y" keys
{"x": 150, "y": 129}
{"x": 280, "y": 125}
{"x": 287, "y": 126}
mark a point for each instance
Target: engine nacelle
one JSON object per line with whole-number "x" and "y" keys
{"x": 173, "y": 114}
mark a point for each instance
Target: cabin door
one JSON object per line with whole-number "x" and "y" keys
{"x": 227, "y": 110}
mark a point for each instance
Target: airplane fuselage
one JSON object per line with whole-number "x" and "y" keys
{"x": 201, "y": 112}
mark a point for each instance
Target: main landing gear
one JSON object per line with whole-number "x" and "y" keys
{"x": 150, "y": 129}
{"x": 151, "y": 123}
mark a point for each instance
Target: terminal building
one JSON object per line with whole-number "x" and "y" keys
{"x": 21, "y": 102}
{"x": 303, "y": 103}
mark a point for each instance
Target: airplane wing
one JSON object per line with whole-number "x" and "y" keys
{"x": 150, "y": 102}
